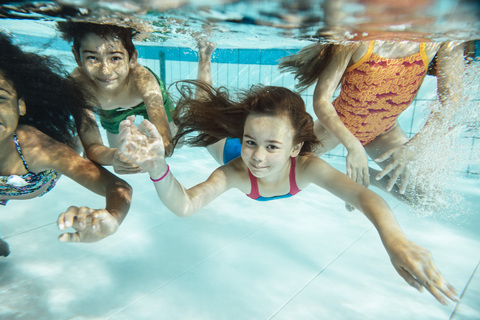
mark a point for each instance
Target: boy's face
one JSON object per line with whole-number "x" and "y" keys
{"x": 105, "y": 61}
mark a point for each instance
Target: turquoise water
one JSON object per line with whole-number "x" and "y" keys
{"x": 300, "y": 258}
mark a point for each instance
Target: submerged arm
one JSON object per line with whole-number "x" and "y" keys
{"x": 450, "y": 72}
{"x": 413, "y": 262}
{"x": 152, "y": 96}
{"x": 148, "y": 153}
{"x": 99, "y": 153}
{"x": 328, "y": 81}
{"x": 91, "y": 224}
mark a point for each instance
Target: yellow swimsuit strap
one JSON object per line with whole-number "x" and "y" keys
{"x": 370, "y": 50}
{"x": 364, "y": 58}
{"x": 424, "y": 55}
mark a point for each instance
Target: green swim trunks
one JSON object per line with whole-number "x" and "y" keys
{"x": 110, "y": 119}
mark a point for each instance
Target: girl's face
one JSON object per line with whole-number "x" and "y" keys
{"x": 268, "y": 144}
{"x": 11, "y": 108}
{"x": 105, "y": 61}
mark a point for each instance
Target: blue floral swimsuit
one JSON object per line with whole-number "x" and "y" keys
{"x": 15, "y": 185}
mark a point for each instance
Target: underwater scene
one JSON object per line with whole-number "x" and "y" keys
{"x": 191, "y": 159}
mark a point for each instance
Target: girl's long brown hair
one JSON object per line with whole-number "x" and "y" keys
{"x": 215, "y": 115}
{"x": 308, "y": 63}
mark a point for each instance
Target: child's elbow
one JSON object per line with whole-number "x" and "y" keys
{"x": 184, "y": 213}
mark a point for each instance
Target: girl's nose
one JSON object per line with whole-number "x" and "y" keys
{"x": 258, "y": 155}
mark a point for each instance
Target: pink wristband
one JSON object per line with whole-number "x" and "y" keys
{"x": 162, "y": 177}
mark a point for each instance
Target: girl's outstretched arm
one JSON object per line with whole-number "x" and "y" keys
{"x": 413, "y": 262}
{"x": 149, "y": 153}
{"x": 43, "y": 152}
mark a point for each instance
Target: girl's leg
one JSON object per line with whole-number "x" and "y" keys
{"x": 216, "y": 150}
{"x": 387, "y": 141}
{"x": 204, "y": 74}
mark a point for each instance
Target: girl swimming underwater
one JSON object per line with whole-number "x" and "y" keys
{"x": 39, "y": 109}
{"x": 276, "y": 161}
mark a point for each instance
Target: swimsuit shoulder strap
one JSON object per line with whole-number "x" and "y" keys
{"x": 254, "y": 194}
{"x": 367, "y": 55}
{"x": 293, "y": 181}
{"x": 19, "y": 150}
{"x": 423, "y": 54}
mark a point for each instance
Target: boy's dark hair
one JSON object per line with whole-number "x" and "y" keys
{"x": 76, "y": 31}
{"x": 55, "y": 104}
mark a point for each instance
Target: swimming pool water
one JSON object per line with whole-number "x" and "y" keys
{"x": 303, "y": 258}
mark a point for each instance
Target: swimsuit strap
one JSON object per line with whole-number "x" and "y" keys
{"x": 19, "y": 150}
{"x": 293, "y": 182}
{"x": 367, "y": 55}
{"x": 254, "y": 194}
{"x": 423, "y": 54}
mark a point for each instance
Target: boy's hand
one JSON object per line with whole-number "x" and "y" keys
{"x": 122, "y": 165}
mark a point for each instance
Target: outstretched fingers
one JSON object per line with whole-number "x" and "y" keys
{"x": 152, "y": 130}
{"x": 69, "y": 237}
{"x": 431, "y": 280}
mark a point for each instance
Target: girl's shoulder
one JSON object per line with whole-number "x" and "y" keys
{"x": 236, "y": 173}
{"x": 39, "y": 149}
{"x": 309, "y": 168}
{"x": 309, "y": 160}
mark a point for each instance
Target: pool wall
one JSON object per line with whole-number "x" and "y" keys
{"x": 241, "y": 68}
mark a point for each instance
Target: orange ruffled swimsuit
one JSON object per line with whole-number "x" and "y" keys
{"x": 376, "y": 90}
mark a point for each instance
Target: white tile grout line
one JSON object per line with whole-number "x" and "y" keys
{"x": 78, "y": 258}
{"x": 463, "y": 291}
{"x": 29, "y": 230}
{"x": 318, "y": 273}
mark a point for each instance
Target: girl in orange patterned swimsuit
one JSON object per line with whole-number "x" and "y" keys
{"x": 379, "y": 80}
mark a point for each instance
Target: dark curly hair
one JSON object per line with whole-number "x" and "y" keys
{"x": 215, "y": 116}
{"x": 55, "y": 104}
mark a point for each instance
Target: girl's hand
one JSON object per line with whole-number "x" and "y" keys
{"x": 357, "y": 166}
{"x": 400, "y": 156}
{"x": 147, "y": 151}
{"x": 91, "y": 225}
{"x": 415, "y": 264}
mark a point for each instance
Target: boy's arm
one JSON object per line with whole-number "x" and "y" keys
{"x": 96, "y": 151}
{"x": 149, "y": 89}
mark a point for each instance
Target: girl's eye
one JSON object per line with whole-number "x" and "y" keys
{"x": 91, "y": 58}
{"x": 250, "y": 142}
{"x": 116, "y": 58}
{"x": 272, "y": 147}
